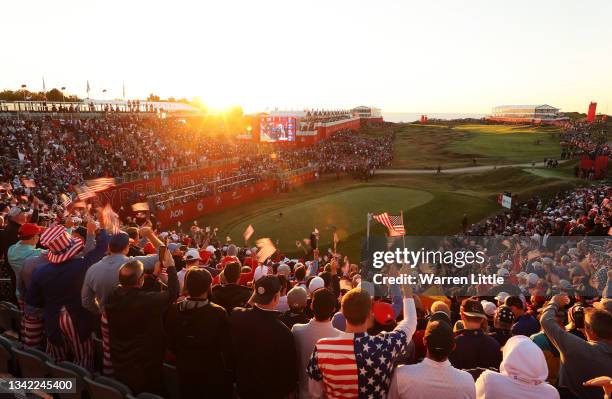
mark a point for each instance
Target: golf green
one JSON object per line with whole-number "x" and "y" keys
{"x": 343, "y": 210}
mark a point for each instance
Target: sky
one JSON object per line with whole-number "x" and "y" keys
{"x": 399, "y": 55}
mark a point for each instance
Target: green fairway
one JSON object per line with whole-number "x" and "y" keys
{"x": 457, "y": 145}
{"x": 432, "y": 205}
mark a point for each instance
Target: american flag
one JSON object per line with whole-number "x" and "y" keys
{"x": 357, "y": 365}
{"x": 100, "y": 184}
{"x": 66, "y": 200}
{"x": 84, "y": 193}
{"x": 393, "y": 223}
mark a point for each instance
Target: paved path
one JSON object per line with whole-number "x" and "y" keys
{"x": 470, "y": 169}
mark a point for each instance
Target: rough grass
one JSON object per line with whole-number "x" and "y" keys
{"x": 457, "y": 145}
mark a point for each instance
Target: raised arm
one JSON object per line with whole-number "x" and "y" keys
{"x": 563, "y": 340}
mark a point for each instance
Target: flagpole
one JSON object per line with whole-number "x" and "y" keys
{"x": 403, "y": 235}
{"x": 368, "y": 231}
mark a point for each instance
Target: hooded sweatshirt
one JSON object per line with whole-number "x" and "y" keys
{"x": 522, "y": 375}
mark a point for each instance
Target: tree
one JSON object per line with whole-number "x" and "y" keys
{"x": 153, "y": 97}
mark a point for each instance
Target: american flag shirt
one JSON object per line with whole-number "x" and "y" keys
{"x": 359, "y": 365}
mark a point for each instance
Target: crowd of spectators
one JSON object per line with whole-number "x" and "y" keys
{"x": 580, "y": 137}
{"x": 202, "y": 302}
{"x": 236, "y": 322}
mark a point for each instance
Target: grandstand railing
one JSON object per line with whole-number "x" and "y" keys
{"x": 135, "y": 176}
{"x": 295, "y": 172}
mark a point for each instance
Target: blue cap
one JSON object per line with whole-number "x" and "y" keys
{"x": 173, "y": 246}
{"x": 119, "y": 242}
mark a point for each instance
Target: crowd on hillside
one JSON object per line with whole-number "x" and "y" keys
{"x": 581, "y": 137}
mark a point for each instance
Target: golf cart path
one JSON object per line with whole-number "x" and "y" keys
{"x": 469, "y": 169}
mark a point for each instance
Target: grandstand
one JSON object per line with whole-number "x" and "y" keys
{"x": 537, "y": 114}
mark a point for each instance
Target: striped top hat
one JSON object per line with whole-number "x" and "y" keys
{"x": 62, "y": 246}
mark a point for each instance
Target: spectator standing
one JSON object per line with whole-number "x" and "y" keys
{"x": 231, "y": 295}
{"x": 434, "y": 377}
{"x": 56, "y": 288}
{"x": 474, "y": 348}
{"x": 306, "y": 335}
{"x": 522, "y": 374}
{"x": 580, "y": 360}
{"x": 367, "y": 361}
{"x": 18, "y": 253}
{"x": 525, "y": 323}
{"x": 136, "y": 329}
{"x": 502, "y": 323}
{"x": 297, "y": 298}
{"x": 198, "y": 334}
{"x": 263, "y": 347}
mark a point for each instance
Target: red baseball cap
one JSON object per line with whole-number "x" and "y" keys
{"x": 149, "y": 249}
{"x": 29, "y": 230}
{"x": 383, "y": 312}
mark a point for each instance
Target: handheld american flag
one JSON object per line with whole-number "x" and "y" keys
{"x": 393, "y": 223}
{"x": 100, "y": 184}
{"x": 84, "y": 193}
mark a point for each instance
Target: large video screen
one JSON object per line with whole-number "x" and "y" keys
{"x": 277, "y": 128}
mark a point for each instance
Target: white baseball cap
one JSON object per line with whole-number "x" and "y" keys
{"x": 192, "y": 254}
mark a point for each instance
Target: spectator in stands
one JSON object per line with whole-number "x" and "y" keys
{"x": 55, "y": 287}
{"x": 18, "y": 253}
{"x": 231, "y": 294}
{"x": 580, "y": 360}
{"x": 525, "y": 323}
{"x": 135, "y": 327}
{"x": 502, "y": 322}
{"x": 297, "y": 300}
{"x": 307, "y": 334}
{"x": 102, "y": 278}
{"x": 522, "y": 374}
{"x": 198, "y": 333}
{"x": 474, "y": 348}
{"x": 434, "y": 377}
{"x": 372, "y": 357}
{"x": 10, "y": 235}
{"x": 263, "y": 347}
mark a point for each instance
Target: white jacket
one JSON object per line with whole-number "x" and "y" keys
{"x": 522, "y": 375}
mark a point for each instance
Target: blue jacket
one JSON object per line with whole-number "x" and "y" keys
{"x": 57, "y": 285}
{"x": 526, "y": 325}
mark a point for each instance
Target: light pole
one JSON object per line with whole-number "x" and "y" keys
{"x": 24, "y": 91}
{"x": 62, "y": 90}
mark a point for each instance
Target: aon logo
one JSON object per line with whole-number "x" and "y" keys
{"x": 176, "y": 213}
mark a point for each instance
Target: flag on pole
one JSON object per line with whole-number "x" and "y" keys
{"x": 265, "y": 249}
{"x": 248, "y": 232}
{"x": 100, "y": 184}
{"x": 393, "y": 223}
